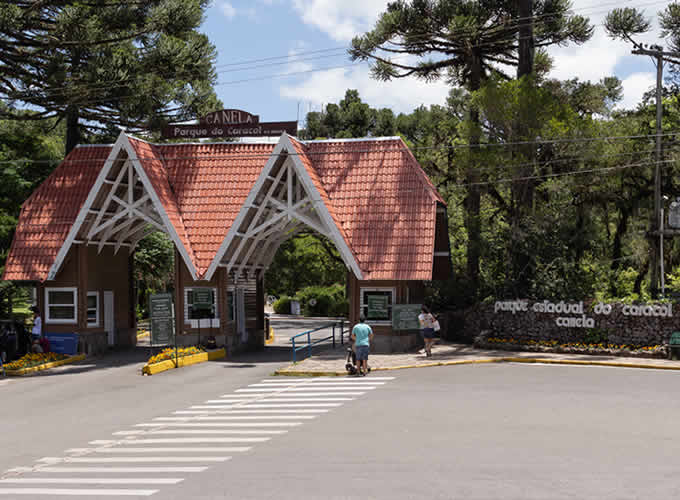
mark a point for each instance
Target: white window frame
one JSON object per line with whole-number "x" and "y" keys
{"x": 362, "y": 305}
{"x": 214, "y": 322}
{"x": 97, "y": 308}
{"x": 74, "y": 292}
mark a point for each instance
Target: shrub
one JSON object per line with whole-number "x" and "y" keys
{"x": 323, "y": 301}
{"x": 282, "y": 305}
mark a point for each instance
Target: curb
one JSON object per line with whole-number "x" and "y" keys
{"x": 32, "y": 369}
{"x": 169, "y": 364}
{"x": 303, "y": 373}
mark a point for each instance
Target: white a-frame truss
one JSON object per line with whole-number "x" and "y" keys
{"x": 282, "y": 202}
{"x": 121, "y": 209}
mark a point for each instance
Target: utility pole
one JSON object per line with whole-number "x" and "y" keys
{"x": 660, "y": 56}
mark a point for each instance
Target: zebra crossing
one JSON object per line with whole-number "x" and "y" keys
{"x": 165, "y": 451}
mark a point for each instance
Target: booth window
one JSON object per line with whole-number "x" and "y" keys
{"x": 376, "y": 304}
{"x": 92, "y": 308}
{"x": 192, "y": 316}
{"x": 61, "y": 305}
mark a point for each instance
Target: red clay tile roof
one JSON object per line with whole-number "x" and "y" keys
{"x": 380, "y": 199}
{"x": 301, "y": 150}
{"x": 47, "y": 215}
{"x": 386, "y": 204}
{"x": 211, "y": 183}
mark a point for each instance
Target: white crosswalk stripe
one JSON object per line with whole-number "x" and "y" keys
{"x": 101, "y": 460}
{"x": 165, "y": 449}
{"x": 189, "y": 442}
{"x": 76, "y": 492}
{"x": 92, "y": 480}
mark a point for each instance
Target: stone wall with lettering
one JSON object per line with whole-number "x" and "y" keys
{"x": 574, "y": 321}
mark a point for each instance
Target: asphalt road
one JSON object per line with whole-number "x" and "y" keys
{"x": 469, "y": 432}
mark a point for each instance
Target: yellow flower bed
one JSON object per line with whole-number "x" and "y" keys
{"x": 169, "y": 354}
{"x": 576, "y": 345}
{"x": 34, "y": 359}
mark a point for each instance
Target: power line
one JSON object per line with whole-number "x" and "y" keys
{"x": 563, "y": 174}
{"x": 104, "y": 85}
{"x": 335, "y": 151}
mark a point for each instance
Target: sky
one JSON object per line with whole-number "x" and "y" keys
{"x": 280, "y": 59}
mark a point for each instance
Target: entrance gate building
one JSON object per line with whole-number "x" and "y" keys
{"x": 227, "y": 207}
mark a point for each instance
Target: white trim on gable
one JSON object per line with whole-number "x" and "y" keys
{"x": 160, "y": 209}
{"x": 80, "y": 219}
{"x": 121, "y": 144}
{"x": 321, "y": 222}
{"x": 250, "y": 200}
{"x": 324, "y": 214}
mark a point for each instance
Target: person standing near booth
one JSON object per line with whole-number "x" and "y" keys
{"x": 427, "y": 321}
{"x": 362, "y": 334}
{"x": 36, "y": 331}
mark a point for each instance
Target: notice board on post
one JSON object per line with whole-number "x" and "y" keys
{"x": 405, "y": 316}
{"x": 162, "y": 319}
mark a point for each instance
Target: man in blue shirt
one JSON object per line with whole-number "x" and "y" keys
{"x": 362, "y": 336}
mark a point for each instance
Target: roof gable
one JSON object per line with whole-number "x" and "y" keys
{"x": 211, "y": 182}
{"x": 385, "y": 203}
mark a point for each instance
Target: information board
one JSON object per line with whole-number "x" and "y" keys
{"x": 202, "y": 299}
{"x": 377, "y": 307}
{"x": 405, "y": 316}
{"x": 162, "y": 321}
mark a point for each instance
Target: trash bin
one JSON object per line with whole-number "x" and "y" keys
{"x": 295, "y": 307}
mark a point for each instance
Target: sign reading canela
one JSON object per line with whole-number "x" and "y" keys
{"x": 229, "y": 123}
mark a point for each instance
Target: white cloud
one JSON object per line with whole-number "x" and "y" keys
{"x": 634, "y": 87}
{"x": 600, "y": 56}
{"x": 597, "y": 58}
{"x": 227, "y": 9}
{"x": 341, "y": 20}
{"x": 401, "y": 95}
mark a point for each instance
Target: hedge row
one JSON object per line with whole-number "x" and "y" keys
{"x": 316, "y": 301}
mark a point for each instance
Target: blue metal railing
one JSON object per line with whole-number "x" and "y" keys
{"x": 311, "y": 343}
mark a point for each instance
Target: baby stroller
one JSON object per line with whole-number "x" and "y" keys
{"x": 351, "y": 364}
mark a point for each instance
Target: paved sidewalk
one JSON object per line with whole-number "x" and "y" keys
{"x": 332, "y": 362}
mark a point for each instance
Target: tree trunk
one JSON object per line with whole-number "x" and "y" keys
{"x": 523, "y": 189}
{"x": 472, "y": 201}
{"x": 621, "y": 229}
{"x": 72, "y": 128}
{"x": 526, "y": 38}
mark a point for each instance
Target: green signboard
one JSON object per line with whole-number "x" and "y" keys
{"x": 162, "y": 331}
{"x": 162, "y": 322}
{"x": 405, "y": 316}
{"x": 202, "y": 299}
{"x": 377, "y": 307}
{"x": 675, "y": 339}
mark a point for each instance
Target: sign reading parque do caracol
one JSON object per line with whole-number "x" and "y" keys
{"x": 229, "y": 123}
{"x": 580, "y": 319}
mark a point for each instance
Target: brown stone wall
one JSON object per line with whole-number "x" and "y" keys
{"x": 615, "y": 327}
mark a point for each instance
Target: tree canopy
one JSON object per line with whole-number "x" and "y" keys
{"x": 104, "y": 63}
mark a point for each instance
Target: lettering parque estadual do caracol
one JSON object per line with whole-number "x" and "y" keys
{"x": 562, "y": 307}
